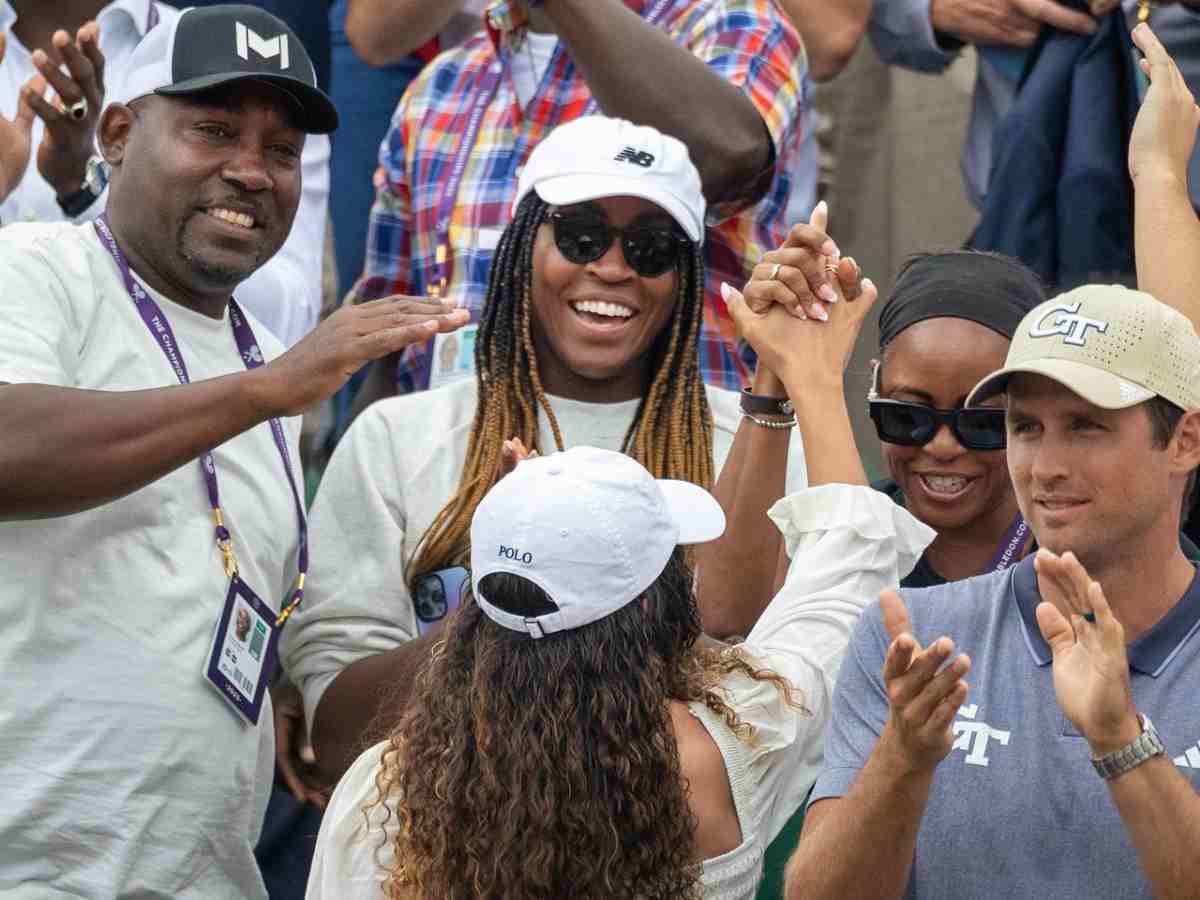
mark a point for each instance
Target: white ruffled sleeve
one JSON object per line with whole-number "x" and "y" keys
{"x": 847, "y": 543}
{"x": 351, "y": 856}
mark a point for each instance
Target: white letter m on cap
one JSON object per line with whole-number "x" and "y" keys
{"x": 248, "y": 40}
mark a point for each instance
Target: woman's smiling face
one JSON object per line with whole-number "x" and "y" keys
{"x": 595, "y": 324}
{"x": 936, "y": 363}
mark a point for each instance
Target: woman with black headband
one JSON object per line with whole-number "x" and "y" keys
{"x": 948, "y": 323}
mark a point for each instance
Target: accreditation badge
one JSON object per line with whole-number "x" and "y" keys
{"x": 244, "y": 649}
{"x": 453, "y": 356}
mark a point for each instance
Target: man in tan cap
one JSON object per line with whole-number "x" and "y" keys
{"x": 940, "y": 789}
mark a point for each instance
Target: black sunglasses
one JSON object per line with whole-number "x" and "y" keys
{"x": 915, "y": 424}
{"x": 650, "y": 250}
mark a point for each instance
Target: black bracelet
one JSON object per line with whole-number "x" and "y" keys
{"x": 758, "y": 405}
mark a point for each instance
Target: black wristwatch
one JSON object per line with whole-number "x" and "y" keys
{"x": 758, "y": 405}
{"x": 95, "y": 180}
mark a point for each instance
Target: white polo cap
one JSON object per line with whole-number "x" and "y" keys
{"x": 592, "y": 528}
{"x": 595, "y": 157}
{"x": 1113, "y": 346}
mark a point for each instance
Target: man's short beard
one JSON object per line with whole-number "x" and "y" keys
{"x": 215, "y": 274}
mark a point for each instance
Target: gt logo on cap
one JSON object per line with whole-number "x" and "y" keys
{"x": 637, "y": 157}
{"x": 248, "y": 39}
{"x": 1065, "y": 320}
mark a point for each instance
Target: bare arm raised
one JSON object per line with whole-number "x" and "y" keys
{"x": 1166, "y": 230}
{"x": 66, "y": 450}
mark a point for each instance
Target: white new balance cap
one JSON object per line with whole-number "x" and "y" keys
{"x": 592, "y": 528}
{"x": 206, "y": 47}
{"x": 595, "y": 157}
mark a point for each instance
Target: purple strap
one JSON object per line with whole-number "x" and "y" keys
{"x": 1008, "y": 553}
{"x": 152, "y": 16}
{"x": 252, "y": 357}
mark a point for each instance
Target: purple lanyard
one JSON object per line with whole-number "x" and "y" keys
{"x": 486, "y": 86}
{"x": 252, "y": 356}
{"x": 152, "y": 16}
{"x": 1007, "y": 554}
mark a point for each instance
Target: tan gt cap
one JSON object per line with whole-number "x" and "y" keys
{"x": 1113, "y": 346}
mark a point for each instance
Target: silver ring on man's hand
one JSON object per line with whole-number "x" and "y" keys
{"x": 774, "y": 272}
{"x": 79, "y": 110}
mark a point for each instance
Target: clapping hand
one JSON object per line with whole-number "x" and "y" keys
{"x": 924, "y": 691}
{"x": 71, "y": 117}
{"x": 15, "y": 134}
{"x": 1091, "y": 669}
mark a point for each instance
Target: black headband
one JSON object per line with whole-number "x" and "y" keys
{"x": 992, "y": 290}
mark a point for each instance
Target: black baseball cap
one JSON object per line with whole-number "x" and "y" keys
{"x": 211, "y": 46}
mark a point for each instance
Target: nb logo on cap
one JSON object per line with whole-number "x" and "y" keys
{"x": 1064, "y": 319}
{"x": 637, "y": 157}
{"x": 248, "y": 39}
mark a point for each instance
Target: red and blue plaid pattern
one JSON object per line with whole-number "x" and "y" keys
{"x": 748, "y": 42}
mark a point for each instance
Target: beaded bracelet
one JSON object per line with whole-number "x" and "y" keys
{"x": 767, "y": 423}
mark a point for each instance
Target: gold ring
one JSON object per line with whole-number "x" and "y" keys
{"x": 831, "y": 268}
{"x": 774, "y": 272}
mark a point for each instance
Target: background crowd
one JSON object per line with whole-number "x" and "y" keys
{"x": 784, "y": 131}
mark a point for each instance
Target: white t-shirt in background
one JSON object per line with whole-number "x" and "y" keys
{"x": 124, "y": 772}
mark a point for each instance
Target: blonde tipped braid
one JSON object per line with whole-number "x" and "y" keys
{"x": 671, "y": 434}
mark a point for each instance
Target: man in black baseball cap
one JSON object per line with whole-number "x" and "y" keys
{"x": 209, "y": 47}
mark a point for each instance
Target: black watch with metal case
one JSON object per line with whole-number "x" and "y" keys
{"x": 758, "y": 405}
{"x": 95, "y": 180}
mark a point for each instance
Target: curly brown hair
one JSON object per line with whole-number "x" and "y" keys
{"x": 548, "y": 768}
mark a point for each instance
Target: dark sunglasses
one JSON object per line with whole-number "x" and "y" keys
{"x": 650, "y": 250}
{"x": 915, "y": 424}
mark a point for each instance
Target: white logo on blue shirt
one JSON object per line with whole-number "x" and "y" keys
{"x": 974, "y": 736}
{"x": 1190, "y": 759}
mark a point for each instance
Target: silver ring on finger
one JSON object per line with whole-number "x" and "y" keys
{"x": 775, "y": 267}
{"x": 78, "y": 111}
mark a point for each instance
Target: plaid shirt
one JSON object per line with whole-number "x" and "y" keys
{"x": 748, "y": 42}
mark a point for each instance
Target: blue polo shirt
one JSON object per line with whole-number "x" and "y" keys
{"x": 1016, "y": 809}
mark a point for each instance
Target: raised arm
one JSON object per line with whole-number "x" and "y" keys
{"x": 66, "y": 450}
{"x": 831, "y": 30}
{"x": 1166, "y": 230}
{"x": 637, "y": 72}
{"x": 386, "y": 31}
{"x": 738, "y": 572}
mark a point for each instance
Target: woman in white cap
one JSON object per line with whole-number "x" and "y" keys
{"x": 590, "y": 335}
{"x": 572, "y": 735}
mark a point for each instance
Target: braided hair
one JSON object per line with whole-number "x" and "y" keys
{"x": 671, "y": 433}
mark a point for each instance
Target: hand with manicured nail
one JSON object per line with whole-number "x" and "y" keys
{"x": 795, "y": 276}
{"x": 802, "y": 351}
